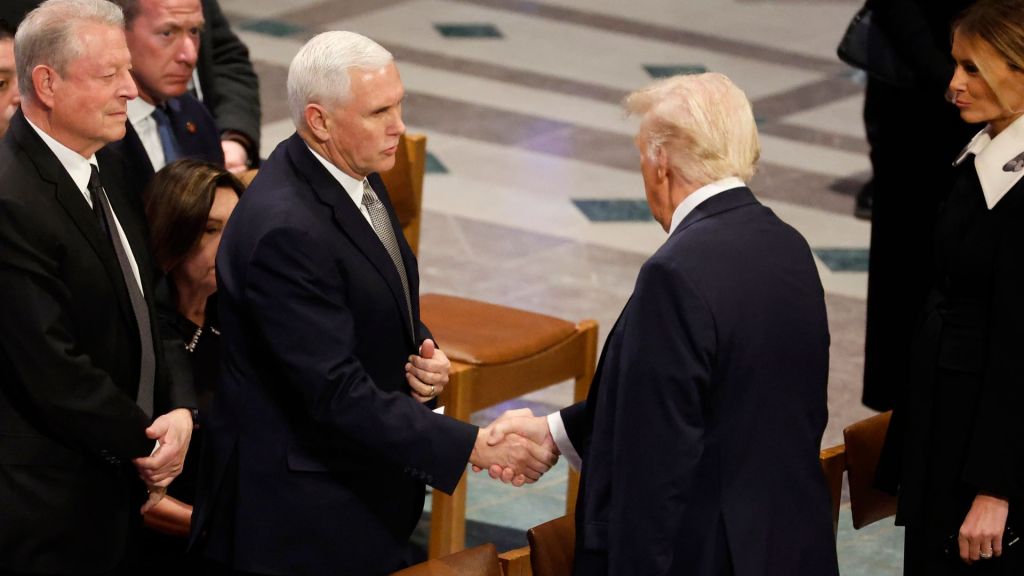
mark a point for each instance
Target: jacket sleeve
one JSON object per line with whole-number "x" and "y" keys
{"x": 303, "y": 314}
{"x": 995, "y": 460}
{"x": 53, "y": 377}
{"x": 665, "y": 371}
{"x": 231, "y": 89}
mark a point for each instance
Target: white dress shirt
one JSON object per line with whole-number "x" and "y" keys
{"x": 991, "y": 155}
{"x": 351, "y": 185}
{"x": 140, "y": 114}
{"x": 696, "y": 198}
{"x": 80, "y": 169}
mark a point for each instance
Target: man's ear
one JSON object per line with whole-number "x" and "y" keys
{"x": 318, "y": 121}
{"x": 661, "y": 164}
{"x": 44, "y": 84}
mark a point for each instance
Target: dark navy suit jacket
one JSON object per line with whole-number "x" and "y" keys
{"x": 316, "y": 455}
{"x": 701, "y": 432}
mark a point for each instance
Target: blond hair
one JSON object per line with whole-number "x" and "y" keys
{"x": 1000, "y": 25}
{"x": 704, "y": 124}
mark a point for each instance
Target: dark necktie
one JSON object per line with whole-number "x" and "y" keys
{"x": 386, "y": 233}
{"x": 167, "y": 140}
{"x": 147, "y": 367}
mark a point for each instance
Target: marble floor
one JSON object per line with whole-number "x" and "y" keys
{"x": 533, "y": 196}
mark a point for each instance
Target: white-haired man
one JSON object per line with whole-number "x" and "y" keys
{"x": 80, "y": 373}
{"x": 699, "y": 439}
{"x": 320, "y": 440}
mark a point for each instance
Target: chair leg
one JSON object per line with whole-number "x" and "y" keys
{"x": 448, "y": 513}
{"x": 448, "y": 522}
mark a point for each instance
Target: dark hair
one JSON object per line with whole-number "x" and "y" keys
{"x": 178, "y": 203}
{"x": 130, "y": 8}
{"x": 6, "y": 30}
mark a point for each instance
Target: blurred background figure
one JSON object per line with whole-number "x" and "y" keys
{"x": 188, "y": 203}
{"x": 955, "y": 442}
{"x": 9, "y": 98}
{"x": 915, "y": 135}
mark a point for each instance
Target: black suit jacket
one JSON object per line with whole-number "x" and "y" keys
{"x": 194, "y": 130}
{"x": 316, "y": 456}
{"x": 69, "y": 366}
{"x": 701, "y": 432}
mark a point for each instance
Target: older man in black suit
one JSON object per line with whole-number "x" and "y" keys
{"x": 320, "y": 443}
{"x": 699, "y": 439}
{"x": 80, "y": 372}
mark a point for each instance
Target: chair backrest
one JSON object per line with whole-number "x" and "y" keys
{"x": 479, "y": 561}
{"x": 405, "y": 185}
{"x": 833, "y": 463}
{"x": 864, "y": 441}
{"x": 553, "y": 546}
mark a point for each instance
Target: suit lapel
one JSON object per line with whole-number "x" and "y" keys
{"x": 73, "y": 202}
{"x": 350, "y": 220}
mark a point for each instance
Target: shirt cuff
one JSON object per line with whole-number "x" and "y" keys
{"x": 561, "y": 438}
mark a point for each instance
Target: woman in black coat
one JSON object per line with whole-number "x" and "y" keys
{"x": 956, "y": 442}
{"x": 188, "y": 203}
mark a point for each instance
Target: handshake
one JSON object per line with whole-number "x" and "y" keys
{"x": 516, "y": 448}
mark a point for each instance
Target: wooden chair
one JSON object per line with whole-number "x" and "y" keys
{"x": 553, "y": 546}
{"x": 405, "y": 185}
{"x": 833, "y": 463}
{"x": 864, "y": 441}
{"x": 498, "y": 353}
{"x": 479, "y": 561}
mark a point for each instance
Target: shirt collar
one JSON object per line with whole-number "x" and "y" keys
{"x": 77, "y": 166}
{"x": 139, "y": 110}
{"x": 700, "y": 195}
{"x": 995, "y": 160}
{"x": 353, "y": 187}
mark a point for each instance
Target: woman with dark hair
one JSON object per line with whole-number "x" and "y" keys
{"x": 188, "y": 203}
{"x": 956, "y": 440}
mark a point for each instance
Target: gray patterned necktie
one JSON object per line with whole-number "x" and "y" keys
{"x": 386, "y": 233}
{"x": 147, "y": 367}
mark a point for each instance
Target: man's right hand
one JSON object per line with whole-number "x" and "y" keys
{"x": 523, "y": 460}
{"x": 523, "y": 423}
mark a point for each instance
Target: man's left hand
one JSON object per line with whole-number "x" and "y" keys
{"x": 173, "y": 431}
{"x": 427, "y": 373}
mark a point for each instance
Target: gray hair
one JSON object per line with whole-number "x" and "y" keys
{"x": 48, "y": 35}
{"x": 319, "y": 72}
{"x": 704, "y": 124}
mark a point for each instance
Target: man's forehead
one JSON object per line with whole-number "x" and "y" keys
{"x": 101, "y": 45}
{"x": 171, "y": 9}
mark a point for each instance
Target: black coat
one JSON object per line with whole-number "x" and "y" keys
{"x": 316, "y": 455}
{"x": 701, "y": 432}
{"x": 69, "y": 366}
{"x": 958, "y": 429}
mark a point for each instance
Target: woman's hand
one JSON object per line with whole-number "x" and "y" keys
{"x": 981, "y": 535}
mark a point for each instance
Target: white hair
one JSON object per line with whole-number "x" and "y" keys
{"x": 319, "y": 72}
{"x": 49, "y": 35}
{"x": 704, "y": 124}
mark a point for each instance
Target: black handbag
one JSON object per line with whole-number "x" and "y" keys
{"x": 865, "y": 46}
